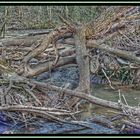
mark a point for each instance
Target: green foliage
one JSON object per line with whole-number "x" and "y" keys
{"x": 83, "y": 13}
{"x": 40, "y": 25}
{"x": 125, "y": 75}
{"x": 45, "y": 16}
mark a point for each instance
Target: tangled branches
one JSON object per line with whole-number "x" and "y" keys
{"x": 99, "y": 52}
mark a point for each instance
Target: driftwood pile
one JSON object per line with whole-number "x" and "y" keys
{"x": 107, "y": 46}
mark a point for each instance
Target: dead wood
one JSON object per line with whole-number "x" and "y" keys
{"x": 21, "y": 41}
{"x": 103, "y": 121}
{"x": 45, "y": 42}
{"x": 44, "y": 67}
{"x": 46, "y": 46}
{"x": 82, "y": 61}
{"x": 69, "y": 41}
{"x": 83, "y": 64}
{"x": 134, "y": 125}
{"x": 89, "y": 98}
{"x": 40, "y": 33}
{"x": 123, "y": 54}
{"x": 46, "y": 113}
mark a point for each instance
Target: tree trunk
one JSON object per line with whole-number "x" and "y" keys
{"x": 82, "y": 61}
{"x": 83, "y": 65}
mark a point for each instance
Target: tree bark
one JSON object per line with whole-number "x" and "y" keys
{"x": 83, "y": 64}
{"x": 89, "y": 98}
{"x": 82, "y": 61}
{"x": 46, "y": 40}
{"x": 44, "y": 67}
{"x": 124, "y": 54}
{"x": 21, "y": 41}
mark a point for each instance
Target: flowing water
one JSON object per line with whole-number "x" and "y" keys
{"x": 132, "y": 97}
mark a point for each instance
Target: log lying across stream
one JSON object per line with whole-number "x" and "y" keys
{"x": 89, "y": 98}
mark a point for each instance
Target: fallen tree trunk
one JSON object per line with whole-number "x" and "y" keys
{"x": 40, "y": 33}
{"x": 44, "y": 67}
{"x": 28, "y": 40}
{"x": 78, "y": 94}
{"x": 21, "y": 41}
{"x": 124, "y": 54}
{"x": 89, "y": 98}
{"x": 14, "y": 48}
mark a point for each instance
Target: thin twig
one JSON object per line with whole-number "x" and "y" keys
{"x": 124, "y": 99}
{"x": 32, "y": 94}
{"x": 108, "y": 80}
